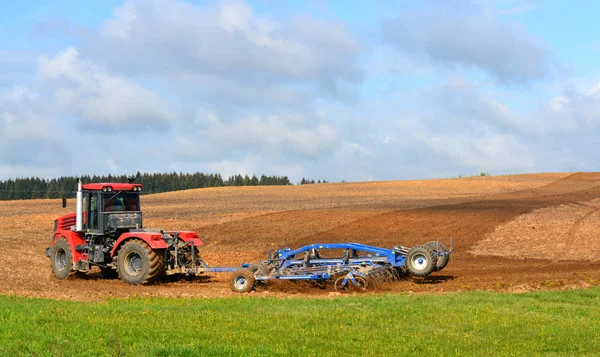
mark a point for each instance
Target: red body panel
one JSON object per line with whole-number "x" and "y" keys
{"x": 187, "y": 236}
{"x": 115, "y": 186}
{"x": 64, "y": 225}
{"x": 154, "y": 240}
{"x": 63, "y": 229}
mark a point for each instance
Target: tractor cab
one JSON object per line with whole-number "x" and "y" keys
{"x": 109, "y": 208}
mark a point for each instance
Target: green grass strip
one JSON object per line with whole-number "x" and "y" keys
{"x": 465, "y": 324}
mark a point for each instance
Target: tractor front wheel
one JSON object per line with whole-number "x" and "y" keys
{"x": 61, "y": 259}
{"x": 137, "y": 263}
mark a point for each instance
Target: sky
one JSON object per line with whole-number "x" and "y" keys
{"x": 335, "y": 90}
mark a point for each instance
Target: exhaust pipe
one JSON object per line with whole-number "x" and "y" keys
{"x": 79, "y": 209}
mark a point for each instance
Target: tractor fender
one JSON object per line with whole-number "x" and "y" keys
{"x": 154, "y": 240}
{"x": 187, "y": 236}
{"x": 74, "y": 239}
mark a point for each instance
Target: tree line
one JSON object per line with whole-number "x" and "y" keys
{"x": 35, "y": 187}
{"x": 306, "y": 181}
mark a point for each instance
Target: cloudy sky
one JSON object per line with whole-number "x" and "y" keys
{"x": 364, "y": 90}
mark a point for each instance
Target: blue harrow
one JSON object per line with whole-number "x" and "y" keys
{"x": 348, "y": 265}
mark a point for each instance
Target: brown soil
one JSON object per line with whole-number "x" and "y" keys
{"x": 564, "y": 232}
{"x": 490, "y": 218}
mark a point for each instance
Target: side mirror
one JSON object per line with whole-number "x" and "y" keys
{"x": 64, "y": 202}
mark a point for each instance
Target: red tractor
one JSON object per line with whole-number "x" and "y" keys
{"x": 107, "y": 231}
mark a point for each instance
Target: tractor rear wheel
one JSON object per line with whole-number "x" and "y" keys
{"x": 420, "y": 261}
{"x": 242, "y": 281}
{"x": 61, "y": 259}
{"x": 442, "y": 260}
{"x": 137, "y": 263}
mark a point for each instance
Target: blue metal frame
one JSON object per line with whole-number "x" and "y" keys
{"x": 390, "y": 256}
{"x": 285, "y": 265}
{"x": 288, "y": 267}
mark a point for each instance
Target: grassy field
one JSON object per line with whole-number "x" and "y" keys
{"x": 549, "y": 323}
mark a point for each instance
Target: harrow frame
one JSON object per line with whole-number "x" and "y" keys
{"x": 375, "y": 263}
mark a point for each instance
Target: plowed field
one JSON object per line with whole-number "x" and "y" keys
{"x": 512, "y": 233}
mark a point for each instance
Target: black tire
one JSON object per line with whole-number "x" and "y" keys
{"x": 258, "y": 270}
{"x": 242, "y": 281}
{"x": 436, "y": 248}
{"x": 61, "y": 259}
{"x": 108, "y": 273}
{"x": 420, "y": 261}
{"x": 138, "y": 264}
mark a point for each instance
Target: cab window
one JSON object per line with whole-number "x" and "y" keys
{"x": 121, "y": 201}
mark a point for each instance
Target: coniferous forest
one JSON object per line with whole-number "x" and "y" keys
{"x": 35, "y": 187}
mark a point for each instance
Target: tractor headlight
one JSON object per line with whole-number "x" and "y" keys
{"x": 104, "y": 189}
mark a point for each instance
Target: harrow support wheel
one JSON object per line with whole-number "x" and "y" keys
{"x": 420, "y": 260}
{"x": 258, "y": 270}
{"x": 242, "y": 281}
{"x": 437, "y": 248}
{"x": 61, "y": 259}
{"x": 137, "y": 263}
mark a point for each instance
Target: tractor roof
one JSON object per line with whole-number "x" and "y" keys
{"x": 116, "y": 186}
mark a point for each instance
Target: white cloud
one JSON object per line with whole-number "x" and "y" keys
{"x": 82, "y": 88}
{"x": 174, "y": 38}
{"x": 274, "y": 134}
{"x": 470, "y": 35}
{"x": 558, "y": 103}
{"x": 171, "y": 85}
{"x": 281, "y": 138}
{"x": 576, "y": 112}
{"x": 256, "y": 164}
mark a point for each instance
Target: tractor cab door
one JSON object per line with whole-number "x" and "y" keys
{"x": 92, "y": 212}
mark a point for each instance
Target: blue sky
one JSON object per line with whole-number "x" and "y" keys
{"x": 355, "y": 90}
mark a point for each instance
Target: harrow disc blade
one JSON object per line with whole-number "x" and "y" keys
{"x": 341, "y": 284}
{"x": 382, "y": 275}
